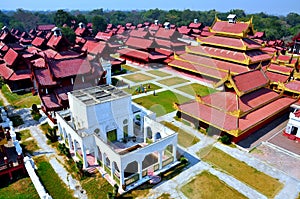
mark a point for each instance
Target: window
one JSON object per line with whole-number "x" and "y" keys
{"x": 112, "y": 135}
{"x": 294, "y": 130}
{"x": 125, "y": 131}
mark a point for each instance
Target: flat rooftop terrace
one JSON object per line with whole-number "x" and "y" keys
{"x": 98, "y": 94}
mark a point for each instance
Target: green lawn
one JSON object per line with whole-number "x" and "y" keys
{"x": 196, "y": 89}
{"x": 20, "y": 100}
{"x": 158, "y": 73}
{"x": 173, "y": 81}
{"x": 208, "y": 186}
{"x": 138, "y": 77}
{"x": 161, "y": 103}
{"x": 185, "y": 139}
{"x": 133, "y": 90}
{"x": 21, "y": 189}
{"x": 164, "y": 196}
{"x": 129, "y": 68}
{"x": 96, "y": 187}
{"x": 241, "y": 171}
{"x": 51, "y": 181}
{"x": 1, "y": 102}
{"x": 29, "y": 145}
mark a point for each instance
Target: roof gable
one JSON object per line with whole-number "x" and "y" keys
{"x": 10, "y": 57}
{"x": 139, "y": 43}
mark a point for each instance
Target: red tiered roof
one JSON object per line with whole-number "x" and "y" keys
{"x": 46, "y": 27}
{"x": 79, "y": 31}
{"x": 184, "y": 30}
{"x": 54, "y": 41}
{"x": 5, "y": 71}
{"x": 276, "y": 77}
{"x": 195, "y": 25}
{"x": 104, "y": 36}
{"x": 218, "y": 64}
{"x": 38, "y": 41}
{"x": 139, "y": 43}
{"x": 39, "y": 63}
{"x": 50, "y": 102}
{"x": 169, "y": 44}
{"x": 10, "y": 57}
{"x": 50, "y": 53}
{"x": 165, "y": 33}
{"x": 196, "y": 68}
{"x": 139, "y": 33}
{"x": 231, "y": 42}
{"x": 293, "y": 85}
{"x": 251, "y": 80}
{"x": 226, "y": 27}
{"x": 94, "y": 47}
{"x": 44, "y": 77}
{"x": 69, "y": 67}
{"x": 20, "y": 75}
{"x": 280, "y": 69}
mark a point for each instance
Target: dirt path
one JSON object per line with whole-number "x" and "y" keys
{"x": 5, "y": 102}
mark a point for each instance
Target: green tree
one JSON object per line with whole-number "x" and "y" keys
{"x": 99, "y": 23}
{"x": 81, "y": 18}
{"x": 62, "y": 17}
{"x": 69, "y": 34}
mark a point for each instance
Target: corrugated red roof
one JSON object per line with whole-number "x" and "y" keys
{"x": 54, "y": 41}
{"x": 250, "y": 80}
{"x": 169, "y": 44}
{"x": 184, "y": 30}
{"x": 50, "y": 53}
{"x": 139, "y": 43}
{"x": 196, "y": 68}
{"x": 10, "y": 57}
{"x": 195, "y": 25}
{"x": 165, "y": 33}
{"x": 69, "y": 67}
{"x": 226, "y": 27}
{"x": 46, "y": 27}
{"x": 276, "y": 77}
{"x": 104, "y": 36}
{"x": 61, "y": 93}
{"x": 5, "y": 71}
{"x": 20, "y": 75}
{"x": 39, "y": 63}
{"x": 154, "y": 27}
{"x": 50, "y": 102}
{"x": 280, "y": 69}
{"x": 94, "y": 47}
{"x": 139, "y": 33}
{"x": 79, "y": 31}
{"x": 38, "y": 41}
{"x": 293, "y": 85}
{"x": 231, "y": 42}
{"x": 134, "y": 53}
{"x": 235, "y": 68}
{"x": 44, "y": 77}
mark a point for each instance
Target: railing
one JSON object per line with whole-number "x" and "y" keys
{"x": 116, "y": 178}
{"x": 107, "y": 169}
{"x": 156, "y": 166}
{"x": 132, "y": 179}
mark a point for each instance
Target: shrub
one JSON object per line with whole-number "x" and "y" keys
{"x": 183, "y": 160}
{"x": 51, "y": 135}
{"x": 226, "y": 139}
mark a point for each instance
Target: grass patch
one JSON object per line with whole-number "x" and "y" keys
{"x": 158, "y": 73}
{"x": 138, "y": 77}
{"x": 23, "y": 135}
{"x": 1, "y": 102}
{"x": 161, "y": 103}
{"x": 118, "y": 83}
{"x": 164, "y": 196}
{"x": 185, "y": 139}
{"x": 20, "y": 100}
{"x": 183, "y": 121}
{"x": 206, "y": 185}
{"x": 173, "y": 81}
{"x": 196, "y": 89}
{"x": 243, "y": 172}
{"x": 23, "y": 188}
{"x": 45, "y": 127}
{"x": 96, "y": 187}
{"x": 129, "y": 68}
{"x": 134, "y": 89}
{"x": 51, "y": 181}
{"x": 28, "y": 146}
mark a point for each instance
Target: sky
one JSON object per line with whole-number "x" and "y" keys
{"x": 276, "y": 7}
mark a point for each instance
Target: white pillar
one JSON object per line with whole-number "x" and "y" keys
{"x": 75, "y": 146}
{"x": 96, "y": 154}
{"x": 70, "y": 141}
{"x": 85, "y": 164}
{"x": 140, "y": 169}
{"x": 145, "y": 133}
{"x": 103, "y": 160}
{"x": 107, "y": 66}
{"x": 160, "y": 157}
{"x": 174, "y": 152}
{"x": 112, "y": 169}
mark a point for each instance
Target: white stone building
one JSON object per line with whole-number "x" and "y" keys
{"x": 292, "y": 129}
{"x": 100, "y": 123}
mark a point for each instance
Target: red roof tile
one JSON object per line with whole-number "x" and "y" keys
{"x": 250, "y": 80}
{"x": 61, "y": 93}
{"x": 134, "y": 53}
{"x": 165, "y": 33}
{"x": 231, "y": 42}
{"x": 94, "y": 47}
{"x": 226, "y": 27}
{"x": 10, "y": 57}
{"x": 104, "y": 36}
{"x": 184, "y": 30}
{"x": 43, "y": 77}
{"x": 293, "y": 85}
{"x": 223, "y": 65}
{"x": 196, "y": 68}
{"x": 38, "y": 41}
{"x": 79, "y": 31}
{"x": 69, "y": 67}
{"x": 139, "y": 33}
{"x": 20, "y": 75}
{"x": 50, "y": 53}
{"x": 50, "y": 102}
{"x": 39, "y": 63}
{"x": 195, "y": 25}
{"x": 139, "y": 43}
{"x": 5, "y": 71}
{"x": 46, "y": 27}
{"x": 280, "y": 69}
{"x": 154, "y": 27}
{"x": 169, "y": 44}
{"x": 276, "y": 77}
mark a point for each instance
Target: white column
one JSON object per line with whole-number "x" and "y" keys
{"x": 96, "y": 154}
{"x": 145, "y": 133}
{"x": 140, "y": 169}
{"x": 174, "y": 152}
{"x": 70, "y": 141}
{"x": 85, "y": 164}
{"x": 103, "y": 159}
{"x": 75, "y": 146}
{"x": 112, "y": 169}
{"x": 160, "y": 157}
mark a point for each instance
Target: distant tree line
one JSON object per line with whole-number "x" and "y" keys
{"x": 276, "y": 27}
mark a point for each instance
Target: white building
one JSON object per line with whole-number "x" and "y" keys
{"x": 100, "y": 123}
{"x": 292, "y": 129}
